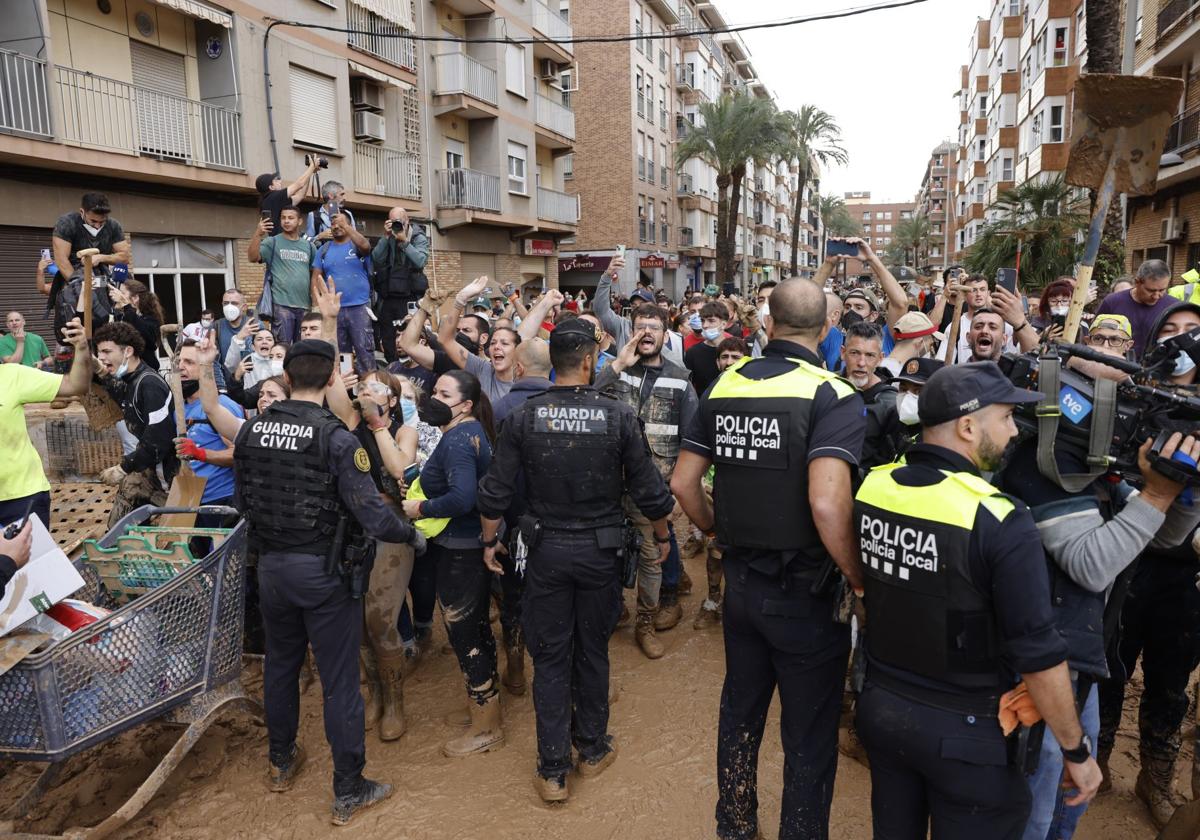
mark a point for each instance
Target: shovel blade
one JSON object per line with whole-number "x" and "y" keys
{"x": 187, "y": 490}
{"x": 1122, "y": 121}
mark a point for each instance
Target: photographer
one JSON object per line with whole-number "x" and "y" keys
{"x": 399, "y": 259}
{"x": 274, "y": 197}
{"x": 1090, "y": 536}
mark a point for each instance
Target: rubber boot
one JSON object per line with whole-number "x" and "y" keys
{"x": 459, "y": 717}
{"x": 1153, "y": 787}
{"x": 484, "y": 733}
{"x": 644, "y": 633}
{"x": 514, "y": 669}
{"x": 685, "y": 583}
{"x": 372, "y": 696}
{"x": 709, "y": 615}
{"x": 669, "y": 612}
{"x": 366, "y": 794}
{"x": 391, "y": 696}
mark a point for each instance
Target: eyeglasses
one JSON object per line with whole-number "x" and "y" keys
{"x": 1114, "y": 341}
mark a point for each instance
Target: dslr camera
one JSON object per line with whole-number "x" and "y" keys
{"x": 323, "y": 163}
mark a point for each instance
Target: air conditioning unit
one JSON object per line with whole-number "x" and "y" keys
{"x": 548, "y": 69}
{"x": 366, "y": 94}
{"x": 1174, "y": 230}
{"x": 368, "y": 126}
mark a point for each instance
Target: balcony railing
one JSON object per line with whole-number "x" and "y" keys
{"x": 24, "y": 96}
{"x": 555, "y": 117}
{"x": 550, "y": 23}
{"x": 380, "y": 37}
{"x": 381, "y": 170}
{"x": 468, "y": 188}
{"x": 1185, "y": 131}
{"x": 682, "y": 127}
{"x": 1173, "y": 12}
{"x": 459, "y": 73}
{"x": 109, "y": 114}
{"x": 685, "y": 76}
{"x": 555, "y": 206}
{"x": 685, "y": 185}
{"x": 685, "y": 237}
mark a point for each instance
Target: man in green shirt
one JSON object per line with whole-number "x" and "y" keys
{"x": 290, "y": 272}
{"x": 22, "y": 348}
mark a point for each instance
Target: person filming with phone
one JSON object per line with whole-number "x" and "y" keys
{"x": 346, "y": 261}
{"x": 399, "y": 259}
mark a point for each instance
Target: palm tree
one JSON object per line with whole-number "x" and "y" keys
{"x": 730, "y": 132}
{"x": 1048, "y": 217}
{"x": 813, "y": 138}
{"x": 913, "y": 235}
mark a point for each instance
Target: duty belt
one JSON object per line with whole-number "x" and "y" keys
{"x": 979, "y": 705}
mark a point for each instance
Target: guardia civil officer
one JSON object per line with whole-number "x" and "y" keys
{"x": 958, "y": 606}
{"x": 580, "y": 452}
{"x": 305, "y": 484}
{"x": 785, "y": 435}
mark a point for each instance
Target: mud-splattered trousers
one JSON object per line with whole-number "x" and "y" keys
{"x": 301, "y": 605}
{"x": 1160, "y": 622}
{"x": 777, "y": 636}
{"x": 463, "y": 588}
{"x": 389, "y": 587}
{"x": 572, "y": 603}
{"x": 649, "y": 571}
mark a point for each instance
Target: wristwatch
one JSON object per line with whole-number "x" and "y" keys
{"x": 1080, "y": 754}
{"x": 489, "y": 543}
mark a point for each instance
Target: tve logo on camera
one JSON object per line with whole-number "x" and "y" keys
{"x": 1074, "y": 405}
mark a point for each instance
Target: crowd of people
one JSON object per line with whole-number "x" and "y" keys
{"x": 840, "y": 445}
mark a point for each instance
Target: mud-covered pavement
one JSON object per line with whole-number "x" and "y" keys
{"x": 661, "y": 787}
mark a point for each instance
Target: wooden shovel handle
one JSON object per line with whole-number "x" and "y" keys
{"x": 85, "y": 291}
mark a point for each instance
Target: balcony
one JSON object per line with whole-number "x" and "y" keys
{"x": 550, "y": 24}
{"x": 465, "y": 87}
{"x": 558, "y": 121}
{"x": 1184, "y": 132}
{"x": 24, "y": 96}
{"x": 468, "y": 189}
{"x": 107, "y": 114}
{"x": 558, "y": 207}
{"x": 685, "y": 77}
{"x": 381, "y": 170}
{"x": 380, "y": 37}
{"x": 667, "y": 10}
{"x": 468, "y": 8}
{"x": 686, "y": 239}
{"x": 1173, "y": 13}
{"x": 682, "y": 127}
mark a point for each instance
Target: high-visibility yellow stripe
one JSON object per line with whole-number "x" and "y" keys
{"x": 800, "y": 383}
{"x": 935, "y": 502}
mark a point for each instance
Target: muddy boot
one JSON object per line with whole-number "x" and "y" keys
{"x": 590, "y": 769}
{"x": 551, "y": 790}
{"x": 484, "y": 733}
{"x": 685, "y": 583}
{"x": 646, "y": 639}
{"x": 283, "y": 776}
{"x": 391, "y": 698}
{"x": 366, "y": 794}
{"x": 459, "y": 717}
{"x": 514, "y": 669}
{"x": 709, "y": 615}
{"x": 1153, "y": 787}
{"x": 372, "y": 696}
{"x": 1102, "y": 756}
{"x": 692, "y": 546}
{"x": 669, "y": 612}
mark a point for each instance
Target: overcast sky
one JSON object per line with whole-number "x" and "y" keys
{"x": 888, "y": 78}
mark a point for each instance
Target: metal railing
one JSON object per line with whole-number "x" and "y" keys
{"x": 108, "y": 114}
{"x": 555, "y": 206}
{"x": 555, "y": 117}
{"x": 380, "y": 37}
{"x": 685, "y": 237}
{"x": 1184, "y": 131}
{"x": 459, "y": 73}
{"x": 24, "y": 96}
{"x": 685, "y": 75}
{"x": 381, "y": 170}
{"x": 682, "y": 127}
{"x": 1173, "y": 12}
{"x": 550, "y": 23}
{"x": 685, "y": 185}
{"x": 468, "y": 188}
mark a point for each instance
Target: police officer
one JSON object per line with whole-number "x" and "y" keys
{"x": 959, "y": 610}
{"x": 580, "y": 452}
{"x": 305, "y": 484}
{"x": 784, "y": 430}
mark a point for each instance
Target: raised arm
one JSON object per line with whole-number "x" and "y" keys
{"x": 79, "y": 378}
{"x": 897, "y": 301}
{"x": 410, "y": 339}
{"x": 328, "y": 301}
{"x": 224, "y": 421}
{"x": 825, "y": 270}
{"x": 254, "y": 249}
{"x": 299, "y": 187}
{"x": 449, "y": 325}
{"x": 541, "y": 310}
{"x": 602, "y": 301}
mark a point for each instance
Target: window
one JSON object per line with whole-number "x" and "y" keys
{"x": 514, "y": 68}
{"x": 983, "y": 101}
{"x": 879, "y": 215}
{"x": 981, "y": 150}
{"x": 866, "y": 216}
{"x": 650, "y": 170}
{"x": 1035, "y": 130}
{"x": 641, "y": 96}
{"x": 887, "y": 215}
{"x": 569, "y": 166}
{"x": 662, "y": 219}
{"x": 1060, "y": 46}
{"x": 662, "y": 147}
{"x": 662, "y": 107}
{"x": 641, "y": 211}
{"x": 1056, "y": 124}
{"x": 1006, "y": 168}
{"x": 641, "y": 155}
{"x": 637, "y": 36}
{"x": 650, "y": 221}
{"x": 649, "y": 100}
{"x": 455, "y": 154}
{"x": 516, "y": 169}
{"x": 313, "y": 93}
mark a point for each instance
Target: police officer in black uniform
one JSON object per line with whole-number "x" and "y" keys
{"x": 785, "y": 435}
{"x": 305, "y": 484}
{"x": 958, "y": 606}
{"x": 580, "y": 452}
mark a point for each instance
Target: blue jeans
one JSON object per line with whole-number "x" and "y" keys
{"x": 355, "y": 331}
{"x": 673, "y": 566}
{"x": 423, "y": 586}
{"x": 287, "y": 322}
{"x": 1051, "y": 818}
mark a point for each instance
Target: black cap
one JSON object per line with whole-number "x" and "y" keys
{"x": 573, "y": 331}
{"x": 958, "y": 390}
{"x": 310, "y": 347}
{"x": 918, "y": 371}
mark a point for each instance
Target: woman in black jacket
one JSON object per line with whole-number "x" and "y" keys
{"x": 140, "y": 308}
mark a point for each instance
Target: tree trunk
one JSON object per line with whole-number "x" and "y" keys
{"x": 1104, "y": 35}
{"x": 736, "y": 177}
{"x": 724, "y": 254}
{"x": 798, "y": 205}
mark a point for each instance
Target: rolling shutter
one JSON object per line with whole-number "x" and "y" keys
{"x": 162, "y": 106}
{"x": 314, "y": 108}
{"x": 20, "y": 250}
{"x": 474, "y": 265}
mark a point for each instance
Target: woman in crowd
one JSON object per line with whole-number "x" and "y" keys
{"x": 140, "y": 308}
{"x": 449, "y": 480}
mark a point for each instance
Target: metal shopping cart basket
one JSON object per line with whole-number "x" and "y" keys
{"x": 173, "y": 653}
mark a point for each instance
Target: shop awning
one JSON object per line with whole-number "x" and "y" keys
{"x": 382, "y": 78}
{"x": 200, "y": 11}
{"x": 398, "y": 12}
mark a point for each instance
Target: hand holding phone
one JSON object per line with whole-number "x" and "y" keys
{"x": 346, "y": 362}
{"x": 1006, "y": 278}
{"x": 841, "y": 248}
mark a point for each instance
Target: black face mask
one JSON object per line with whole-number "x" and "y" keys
{"x": 465, "y": 341}
{"x": 434, "y": 412}
{"x": 849, "y": 319}
{"x": 189, "y": 387}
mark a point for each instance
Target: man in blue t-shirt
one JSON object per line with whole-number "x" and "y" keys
{"x": 209, "y": 454}
{"x": 347, "y": 262}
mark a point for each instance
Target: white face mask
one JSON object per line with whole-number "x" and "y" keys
{"x": 206, "y": 322}
{"x": 765, "y": 311}
{"x": 94, "y": 231}
{"x": 277, "y": 367}
{"x": 906, "y": 407}
{"x": 230, "y": 312}
{"x": 1058, "y": 311}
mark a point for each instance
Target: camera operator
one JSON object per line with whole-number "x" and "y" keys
{"x": 1160, "y": 622}
{"x": 1090, "y": 536}
{"x": 399, "y": 259}
{"x": 274, "y": 197}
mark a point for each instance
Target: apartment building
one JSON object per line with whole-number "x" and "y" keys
{"x": 878, "y": 220}
{"x": 167, "y": 106}
{"x": 1166, "y": 225}
{"x": 935, "y": 202}
{"x": 970, "y": 196}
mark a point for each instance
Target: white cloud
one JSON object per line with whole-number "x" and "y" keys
{"x": 887, "y": 77}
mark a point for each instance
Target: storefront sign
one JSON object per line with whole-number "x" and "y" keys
{"x": 539, "y": 247}
{"x": 654, "y": 261}
{"x": 583, "y": 262}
